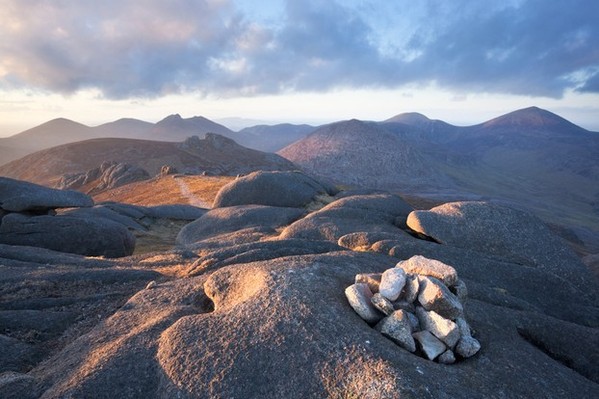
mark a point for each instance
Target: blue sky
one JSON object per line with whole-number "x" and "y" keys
{"x": 463, "y": 61}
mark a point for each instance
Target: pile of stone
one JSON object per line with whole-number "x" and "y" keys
{"x": 418, "y": 305}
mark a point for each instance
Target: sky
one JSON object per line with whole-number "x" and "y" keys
{"x": 462, "y": 61}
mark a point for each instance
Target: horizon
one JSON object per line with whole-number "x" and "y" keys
{"x": 237, "y": 123}
{"x": 459, "y": 61}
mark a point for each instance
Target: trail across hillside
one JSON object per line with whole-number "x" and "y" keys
{"x": 193, "y": 199}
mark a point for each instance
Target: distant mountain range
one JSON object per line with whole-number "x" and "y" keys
{"x": 173, "y": 128}
{"x": 530, "y": 157}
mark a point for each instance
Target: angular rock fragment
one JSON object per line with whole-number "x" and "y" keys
{"x": 430, "y": 267}
{"x": 414, "y": 322}
{"x": 392, "y": 282}
{"x": 359, "y": 296}
{"x": 467, "y": 347}
{"x": 382, "y": 304}
{"x": 447, "y": 357}
{"x": 410, "y": 291}
{"x": 460, "y": 290}
{"x": 372, "y": 279}
{"x": 430, "y": 345}
{"x": 407, "y": 306}
{"x": 446, "y": 330}
{"x": 434, "y": 295}
{"x": 397, "y": 327}
{"x": 463, "y": 327}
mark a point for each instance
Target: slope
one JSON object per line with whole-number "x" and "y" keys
{"x": 214, "y": 155}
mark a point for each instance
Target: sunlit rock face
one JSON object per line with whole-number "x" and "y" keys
{"x": 254, "y": 306}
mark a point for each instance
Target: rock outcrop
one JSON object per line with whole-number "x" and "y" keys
{"x": 107, "y": 176}
{"x": 248, "y": 311}
{"x": 20, "y": 196}
{"x": 283, "y": 189}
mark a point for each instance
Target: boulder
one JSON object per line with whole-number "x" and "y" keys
{"x": 515, "y": 235}
{"x": 118, "y": 174}
{"x": 397, "y": 326}
{"x": 20, "y": 196}
{"x": 16, "y": 355}
{"x": 281, "y": 189}
{"x": 430, "y": 267}
{"x": 90, "y": 236}
{"x": 434, "y": 295}
{"x": 219, "y": 221}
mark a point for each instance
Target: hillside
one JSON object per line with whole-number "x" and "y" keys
{"x": 530, "y": 158}
{"x": 215, "y": 155}
{"x": 272, "y": 138}
{"x": 365, "y": 154}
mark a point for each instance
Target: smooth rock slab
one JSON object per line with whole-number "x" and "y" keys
{"x": 398, "y": 327}
{"x": 85, "y": 236}
{"x": 431, "y": 346}
{"x": 392, "y": 282}
{"x": 382, "y": 304}
{"x": 359, "y": 297}
{"x": 430, "y": 267}
{"x": 20, "y": 196}
{"x": 446, "y": 330}
{"x": 467, "y": 347}
{"x": 434, "y": 295}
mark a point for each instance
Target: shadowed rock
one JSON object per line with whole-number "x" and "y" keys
{"x": 85, "y": 236}
{"x": 515, "y": 235}
{"x": 282, "y": 189}
{"x": 226, "y": 220}
{"x": 176, "y": 211}
{"x": 397, "y": 327}
{"x": 20, "y": 196}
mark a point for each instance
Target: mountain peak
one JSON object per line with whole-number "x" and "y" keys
{"x": 409, "y": 118}
{"x": 171, "y": 118}
{"x": 531, "y": 117}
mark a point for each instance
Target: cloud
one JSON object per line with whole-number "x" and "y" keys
{"x": 127, "y": 48}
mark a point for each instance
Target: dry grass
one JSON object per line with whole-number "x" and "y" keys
{"x": 172, "y": 189}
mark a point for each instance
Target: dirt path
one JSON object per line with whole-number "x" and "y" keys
{"x": 193, "y": 199}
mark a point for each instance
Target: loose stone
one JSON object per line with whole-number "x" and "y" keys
{"x": 372, "y": 279}
{"x": 410, "y": 291}
{"x": 397, "y": 327}
{"x": 434, "y": 295}
{"x": 447, "y": 357}
{"x": 430, "y": 345}
{"x": 446, "y": 330}
{"x": 358, "y": 296}
{"x": 382, "y": 304}
{"x": 460, "y": 290}
{"x": 392, "y": 282}
{"x": 467, "y": 347}
{"x": 430, "y": 267}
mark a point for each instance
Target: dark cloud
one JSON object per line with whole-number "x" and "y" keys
{"x": 130, "y": 48}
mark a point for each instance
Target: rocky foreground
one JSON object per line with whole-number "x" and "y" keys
{"x": 251, "y": 301}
